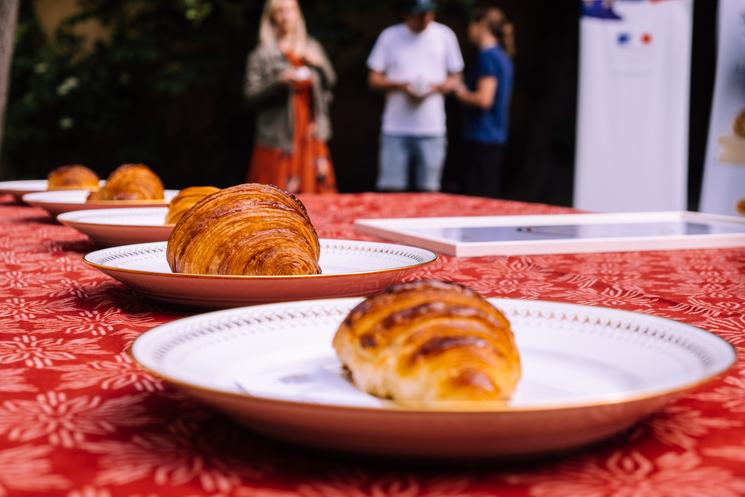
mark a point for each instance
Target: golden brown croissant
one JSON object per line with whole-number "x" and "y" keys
{"x": 73, "y": 176}
{"x": 130, "y": 182}
{"x": 185, "y": 200}
{"x": 427, "y": 342}
{"x": 249, "y": 229}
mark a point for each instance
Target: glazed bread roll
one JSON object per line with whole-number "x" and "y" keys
{"x": 738, "y": 127}
{"x": 73, "y": 176}
{"x": 130, "y": 182}
{"x": 428, "y": 342}
{"x": 249, "y": 229}
{"x": 185, "y": 200}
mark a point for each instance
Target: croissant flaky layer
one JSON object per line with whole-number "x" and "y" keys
{"x": 249, "y": 229}
{"x": 429, "y": 342}
{"x": 130, "y": 182}
{"x": 185, "y": 200}
{"x": 72, "y": 176}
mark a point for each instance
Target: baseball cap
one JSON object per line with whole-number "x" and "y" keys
{"x": 417, "y": 6}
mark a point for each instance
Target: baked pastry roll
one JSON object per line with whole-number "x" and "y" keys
{"x": 738, "y": 127}
{"x": 185, "y": 200}
{"x": 72, "y": 176}
{"x": 249, "y": 229}
{"x": 428, "y": 342}
{"x": 130, "y": 182}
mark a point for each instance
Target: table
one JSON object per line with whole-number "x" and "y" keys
{"x": 78, "y": 419}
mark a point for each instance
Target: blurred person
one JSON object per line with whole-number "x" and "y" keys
{"x": 415, "y": 63}
{"x": 288, "y": 83}
{"x": 486, "y": 95}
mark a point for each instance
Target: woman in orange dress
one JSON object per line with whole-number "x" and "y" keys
{"x": 288, "y": 83}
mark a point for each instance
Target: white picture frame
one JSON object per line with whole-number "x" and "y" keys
{"x": 575, "y": 233}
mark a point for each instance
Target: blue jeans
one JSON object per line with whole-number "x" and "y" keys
{"x": 396, "y": 151}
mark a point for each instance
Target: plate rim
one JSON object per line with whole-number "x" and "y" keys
{"x": 74, "y": 222}
{"x": 4, "y": 185}
{"x": 391, "y": 408}
{"x": 102, "y": 203}
{"x": 228, "y": 277}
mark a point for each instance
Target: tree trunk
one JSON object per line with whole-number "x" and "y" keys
{"x": 8, "y": 20}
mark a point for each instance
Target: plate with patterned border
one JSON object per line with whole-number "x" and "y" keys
{"x": 59, "y": 201}
{"x": 112, "y": 227}
{"x": 588, "y": 373}
{"x": 349, "y": 268}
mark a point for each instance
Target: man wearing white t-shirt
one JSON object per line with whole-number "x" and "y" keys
{"x": 416, "y": 63}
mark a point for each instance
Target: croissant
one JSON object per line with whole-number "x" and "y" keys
{"x": 249, "y": 229}
{"x": 185, "y": 200}
{"x": 73, "y": 176}
{"x": 427, "y": 342}
{"x": 130, "y": 182}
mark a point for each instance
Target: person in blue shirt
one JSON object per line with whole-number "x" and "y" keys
{"x": 486, "y": 96}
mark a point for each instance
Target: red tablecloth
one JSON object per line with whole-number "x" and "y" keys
{"x": 77, "y": 418}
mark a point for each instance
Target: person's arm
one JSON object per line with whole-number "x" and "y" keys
{"x": 451, "y": 84}
{"x": 378, "y": 81}
{"x": 261, "y": 88}
{"x": 483, "y": 96}
{"x": 454, "y": 64}
{"x": 316, "y": 58}
{"x": 377, "y": 63}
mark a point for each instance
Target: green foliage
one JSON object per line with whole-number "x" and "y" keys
{"x": 123, "y": 99}
{"x": 162, "y": 87}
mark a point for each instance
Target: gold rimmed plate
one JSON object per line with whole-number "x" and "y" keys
{"x": 125, "y": 226}
{"x": 349, "y": 268}
{"x": 60, "y": 201}
{"x": 588, "y": 373}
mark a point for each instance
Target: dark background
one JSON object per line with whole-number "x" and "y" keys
{"x": 163, "y": 86}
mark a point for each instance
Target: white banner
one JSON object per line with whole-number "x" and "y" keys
{"x": 632, "y": 119}
{"x": 723, "y": 189}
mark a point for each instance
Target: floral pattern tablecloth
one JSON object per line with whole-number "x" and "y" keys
{"x": 78, "y": 419}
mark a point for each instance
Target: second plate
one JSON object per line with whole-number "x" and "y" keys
{"x": 349, "y": 268}
{"x": 57, "y": 202}
{"x": 111, "y": 227}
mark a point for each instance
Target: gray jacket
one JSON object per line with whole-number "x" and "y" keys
{"x": 272, "y": 100}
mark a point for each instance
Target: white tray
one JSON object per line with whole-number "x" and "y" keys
{"x": 561, "y": 234}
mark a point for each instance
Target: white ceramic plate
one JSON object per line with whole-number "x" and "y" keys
{"x": 112, "y": 227}
{"x": 21, "y": 187}
{"x": 588, "y": 372}
{"x": 57, "y": 202}
{"x": 349, "y": 268}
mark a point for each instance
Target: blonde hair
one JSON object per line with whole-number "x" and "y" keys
{"x": 499, "y": 26}
{"x": 268, "y": 35}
